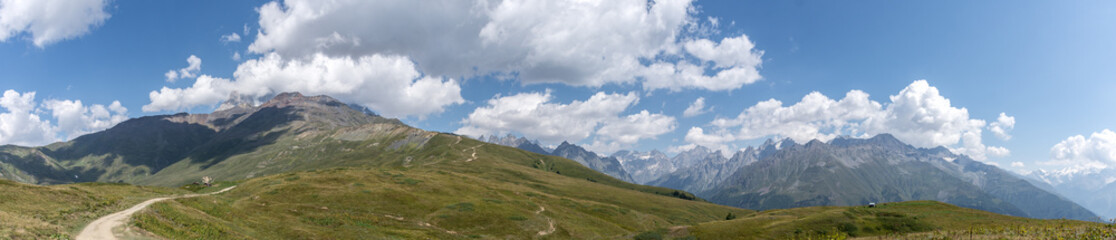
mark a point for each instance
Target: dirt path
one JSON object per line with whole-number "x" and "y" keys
{"x": 474, "y": 148}
{"x": 550, "y": 221}
{"x": 102, "y": 227}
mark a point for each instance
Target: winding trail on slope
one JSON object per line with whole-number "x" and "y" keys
{"x": 550, "y": 221}
{"x": 102, "y": 227}
{"x": 474, "y": 148}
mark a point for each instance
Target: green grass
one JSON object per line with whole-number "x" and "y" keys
{"x": 901, "y": 220}
{"x": 59, "y": 211}
{"x": 442, "y": 202}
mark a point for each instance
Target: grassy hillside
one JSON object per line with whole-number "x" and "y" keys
{"x": 481, "y": 198}
{"x": 902, "y": 220}
{"x": 58, "y": 212}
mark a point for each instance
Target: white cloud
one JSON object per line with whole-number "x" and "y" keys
{"x": 696, "y": 108}
{"x": 231, "y": 37}
{"x": 717, "y": 140}
{"x": 582, "y": 43}
{"x": 1002, "y": 125}
{"x": 76, "y": 119}
{"x": 236, "y": 56}
{"x": 729, "y": 53}
{"x": 535, "y": 116}
{"x": 389, "y": 85}
{"x": 22, "y": 125}
{"x": 814, "y": 117}
{"x": 171, "y": 75}
{"x": 630, "y": 129}
{"x": 921, "y": 116}
{"x": 206, "y": 90}
{"x": 917, "y": 115}
{"x": 50, "y": 21}
{"x": 190, "y": 71}
{"x": 1098, "y": 150}
{"x": 681, "y": 148}
{"x": 1017, "y": 164}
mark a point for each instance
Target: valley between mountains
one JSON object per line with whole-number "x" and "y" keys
{"x": 315, "y": 167}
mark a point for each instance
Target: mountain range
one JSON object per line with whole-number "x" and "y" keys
{"x": 846, "y": 172}
{"x": 607, "y": 165}
{"x": 851, "y": 171}
{"x": 1093, "y": 188}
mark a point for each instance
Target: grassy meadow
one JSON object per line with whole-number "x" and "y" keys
{"x": 59, "y": 211}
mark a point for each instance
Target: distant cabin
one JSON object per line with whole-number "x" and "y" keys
{"x": 871, "y": 204}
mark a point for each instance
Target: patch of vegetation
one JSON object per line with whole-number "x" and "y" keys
{"x": 462, "y": 206}
{"x": 649, "y": 235}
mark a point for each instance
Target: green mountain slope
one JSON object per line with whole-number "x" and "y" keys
{"x": 487, "y": 197}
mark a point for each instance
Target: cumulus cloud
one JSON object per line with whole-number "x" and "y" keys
{"x": 190, "y": 71}
{"x": 1079, "y": 152}
{"x": 696, "y": 136}
{"x": 1017, "y": 164}
{"x": 630, "y": 129}
{"x": 816, "y": 116}
{"x": 696, "y": 108}
{"x": 231, "y": 37}
{"x": 207, "y": 90}
{"x": 50, "y": 21}
{"x": 536, "y": 116}
{"x": 681, "y": 148}
{"x": 387, "y": 84}
{"x": 1002, "y": 125}
{"x": 22, "y": 125}
{"x": 734, "y": 59}
{"x": 581, "y": 43}
{"x": 76, "y": 119}
{"x": 917, "y": 115}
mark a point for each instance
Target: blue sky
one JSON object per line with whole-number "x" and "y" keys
{"x": 437, "y": 65}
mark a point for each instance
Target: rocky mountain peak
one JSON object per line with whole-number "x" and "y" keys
{"x": 237, "y": 100}
{"x": 297, "y": 99}
{"x": 565, "y": 145}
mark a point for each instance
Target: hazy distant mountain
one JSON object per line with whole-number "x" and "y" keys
{"x": 850, "y": 171}
{"x": 517, "y": 142}
{"x": 645, "y": 166}
{"x": 704, "y": 170}
{"x": 606, "y": 165}
{"x": 1093, "y": 188}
